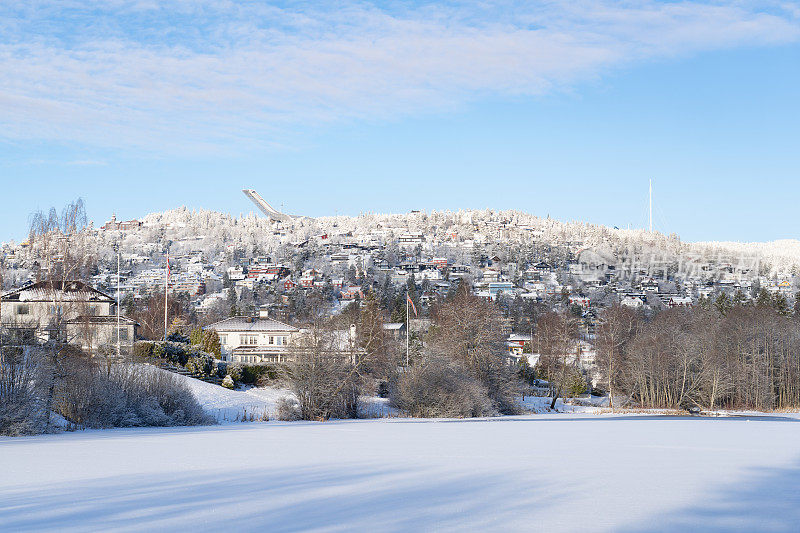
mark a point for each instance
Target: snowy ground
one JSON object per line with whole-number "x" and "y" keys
{"x": 237, "y": 405}
{"x": 260, "y": 404}
{"x": 566, "y": 472}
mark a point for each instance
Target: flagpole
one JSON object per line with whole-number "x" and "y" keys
{"x": 408, "y": 330}
{"x": 166, "y": 288}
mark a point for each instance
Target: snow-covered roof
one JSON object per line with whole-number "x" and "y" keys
{"x": 104, "y": 319}
{"x": 44, "y": 291}
{"x": 248, "y": 323}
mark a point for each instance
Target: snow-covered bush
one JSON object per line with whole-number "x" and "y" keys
{"x": 440, "y": 387}
{"x": 21, "y": 394}
{"x": 288, "y": 409}
{"x": 202, "y": 363}
{"x": 227, "y": 382}
{"x": 123, "y": 395}
{"x": 235, "y": 372}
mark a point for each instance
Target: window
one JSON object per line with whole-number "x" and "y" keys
{"x": 123, "y": 334}
{"x": 248, "y": 340}
{"x": 223, "y": 339}
{"x": 272, "y": 340}
{"x": 22, "y": 309}
{"x": 55, "y": 310}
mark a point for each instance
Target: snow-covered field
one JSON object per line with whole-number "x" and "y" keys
{"x": 564, "y": 472}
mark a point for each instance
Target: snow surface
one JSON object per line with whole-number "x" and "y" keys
{"x": 227, "y": 405}
{"x": 565, "y": 472}
{"x": 261, "y": 404}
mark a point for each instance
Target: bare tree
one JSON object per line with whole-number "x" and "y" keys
{"x": 557, "y": 337}
{"x": 64, "y": 251}
{"x": 469, "y": 330}
{"x": 21, "y": 391}
{"x": 616, "y": 327}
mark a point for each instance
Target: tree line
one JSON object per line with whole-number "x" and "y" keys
{"x": 740, "y": 355}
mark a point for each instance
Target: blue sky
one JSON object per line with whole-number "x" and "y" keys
{"x": 560, "y": 109}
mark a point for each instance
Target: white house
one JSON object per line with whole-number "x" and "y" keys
{"x": 69, "y": 311}
{"x": 632, "y": 302}
{"x": 254, "y": 339}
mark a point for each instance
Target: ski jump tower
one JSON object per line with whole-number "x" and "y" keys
{"x": 265, "y": 208}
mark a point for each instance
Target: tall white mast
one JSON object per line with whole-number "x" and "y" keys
{"x": 651, "y": 208}
{"x": 118, "y": 321}
{"x": 166, "y": 289}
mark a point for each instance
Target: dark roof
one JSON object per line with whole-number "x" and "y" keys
{"x": 248, "y": 323}
{"x": 71, "y": 291}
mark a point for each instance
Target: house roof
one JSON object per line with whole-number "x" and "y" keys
{"x": 104, "y": 319}
{"x": 393, "y": 325}
{"x": 74, "y": 291}
{"x": 248, "y": 323}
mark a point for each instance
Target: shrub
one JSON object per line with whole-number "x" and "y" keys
{"x": 158, "y": 350}
{"x": 235, "y": 371}
{"x": 326, "y": 387}
{"x": 178, "y": 336}
{"x": 143, "y": 349}
{"x": 201, "y": 364}
{"x": 440, "y": 387}
{"x": 125, "y": 395}
{"x": 21, "y": 380}
{"x": 175, "y": 352}
{"x": 259, "y": 374}
{"x": 227, "y": 382}
{"x": 288, "y": 410}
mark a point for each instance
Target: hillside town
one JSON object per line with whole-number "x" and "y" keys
{"x": 250, "y": 274}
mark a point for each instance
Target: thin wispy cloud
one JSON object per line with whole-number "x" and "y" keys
{"x": 199, "y": 75}
{"x": 86, "y": 163}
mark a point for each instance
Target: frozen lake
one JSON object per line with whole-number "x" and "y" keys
{"x": 543, "y": 473}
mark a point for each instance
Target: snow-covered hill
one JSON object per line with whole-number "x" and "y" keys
{"x": 215, "y": 232}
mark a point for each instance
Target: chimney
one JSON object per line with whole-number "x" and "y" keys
{"x": 263, "y": 312}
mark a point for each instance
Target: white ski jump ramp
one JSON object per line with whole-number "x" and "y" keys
{"x": 265, "y": 208}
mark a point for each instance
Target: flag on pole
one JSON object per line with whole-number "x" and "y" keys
{"x": 411, "y": 302}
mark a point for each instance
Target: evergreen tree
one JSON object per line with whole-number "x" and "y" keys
{"x": 211, "y": 343}
{"x": 232, "y": 301}
{"x": 781, "y": 305}
{"x": 739, "y": 299}
{"x": 723, "y": 304}
{"x": 196, "y": 337}
{"x": 764, "y": 299}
